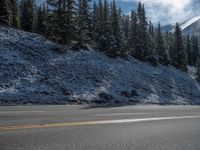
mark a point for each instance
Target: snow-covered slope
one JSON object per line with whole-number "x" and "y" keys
{"x": 192, "y": 26}
{"x": 190, "y": 22}
{"x": 34, "y": 70}
{"x": 189, "y": 27}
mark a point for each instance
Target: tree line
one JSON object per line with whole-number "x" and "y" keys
{"x": 104, "y": 27}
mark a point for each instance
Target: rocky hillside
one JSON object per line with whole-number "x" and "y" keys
{"x": 34, "y": 70}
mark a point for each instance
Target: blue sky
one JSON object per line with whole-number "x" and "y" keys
{"x": 164, "y": 11}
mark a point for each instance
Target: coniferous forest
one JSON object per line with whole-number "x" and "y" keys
{"x": 104, "y": 27}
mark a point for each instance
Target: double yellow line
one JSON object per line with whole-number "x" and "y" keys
{"x": 65, "y": 124}
{"x": 50, "y": 125}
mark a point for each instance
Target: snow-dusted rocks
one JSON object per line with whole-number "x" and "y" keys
{"x": 33, "y": 70}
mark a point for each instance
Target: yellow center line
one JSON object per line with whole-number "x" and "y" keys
{"x": 65, "y": 124}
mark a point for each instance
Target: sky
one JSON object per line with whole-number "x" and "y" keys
{"x": 168, "y": 11}
{"x": 163, "y": 11}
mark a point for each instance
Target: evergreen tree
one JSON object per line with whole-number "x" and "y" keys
{"x": 83, "y": 19}
{"x": 69, "y": 20}
{"x": 98, "y": 24}
{"x": 169, "y": 42}
{"x": 198, "y": 69}
{"x": 160, "y": 47}
{"x": 105, "y": 38}
{"x": 124, "y": 40}
{"x": 5, "y": 13}
{"x": 95, "y": 21}
{"x": 15, "y": 13}
{"x": 133, "y": 36}
{"x": 189, "y": 51}
{"x": 139, "y": 11}
{"x": 117, "y": 32}
{"x": 195, "y": 49}
{"x": 102, "y": 27}
{"x": 172, "y": 54}
{"x": 41, "y": 19}
{"x": 143, "y": 37}
{"x": 35, "y": 16}
{"x": 125, "y": 30}
{"x": 54, "y": 21}
{"x": 27, "y": 15}
{"x": 151, "y": 56}
{"x": 151, "y": 30}
{"x": 180, "y": 57}
{"x": 126, "y": 26}
{"x": 60, "y": 20}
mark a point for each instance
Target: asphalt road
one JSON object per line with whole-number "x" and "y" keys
{"x": 82, "y": 128}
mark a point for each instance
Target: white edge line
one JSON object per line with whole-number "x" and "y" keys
{"x": 145, "y": 119}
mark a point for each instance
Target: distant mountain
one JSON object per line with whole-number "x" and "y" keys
{"x": 167, "y": 28}
{"x": 189, "y": 27}
{"x": 192, "y": 26}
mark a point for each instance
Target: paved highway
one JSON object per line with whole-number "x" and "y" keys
{"x": 83, "y": 128}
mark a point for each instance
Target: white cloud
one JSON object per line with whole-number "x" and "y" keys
{"x": 168, "y": 11}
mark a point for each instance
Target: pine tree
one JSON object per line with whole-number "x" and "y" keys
{"x": 60, "y": 20}
{"x": 169, "y": 44}
{"x": 195, "y": 49}
{"x": 117, "y": 32}
{"x": 189, "y": 51}
{"x": 126, "y": 27}
{"x": 152, "y": 56}
{"x": 198, "y": 69}
{"x": 160, "y": 47}
{"x": 98, "y": 24}
{"x": 83, "y": 19}
{"x": 133, "y": 36}
{"x": 151, "y": 30}
{"x": 69, "y": 11}
{"x": 105, "y": 37}
{"x": 180, "y": 57}
{"x": 5, "y": 13}
{"x": 53, "y": 20}
{"x": 41, "y": 19}
{"x": 143, "y": 37}
{"x": 27, "y": 15}
{"x": 139, "y": 11}
{"x": 15, "y": 13}
{"x": 35, "y": 16}
{"x": 96, "y": 27}
{"x": 172, "y": 54}
{"x": 122, "y": 40}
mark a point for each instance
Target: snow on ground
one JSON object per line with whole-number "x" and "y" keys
{"x": 192, "y": 71}
{"x": 34, "y": 70}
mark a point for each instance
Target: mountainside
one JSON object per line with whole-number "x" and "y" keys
{"x": 167, "y": 28}
{"x": 192, "y": 26}
{"x": 189, "y": 27}
{"x": 35, "y": 70}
